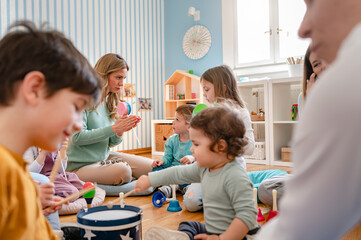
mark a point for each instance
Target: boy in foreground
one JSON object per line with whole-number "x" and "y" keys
{"x": 45, "y": 84}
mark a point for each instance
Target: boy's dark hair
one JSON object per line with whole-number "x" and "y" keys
{"x": 186, "y": 110}
{"x": 49, "y": 52}
{"x": 222, "y": 121}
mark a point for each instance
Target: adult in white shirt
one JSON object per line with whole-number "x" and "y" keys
{"x": 323, "y": 198}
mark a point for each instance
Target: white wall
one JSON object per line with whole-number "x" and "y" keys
{"x": 132, "y": 28}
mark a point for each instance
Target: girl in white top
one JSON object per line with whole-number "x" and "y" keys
{"x": 219, "y": 84}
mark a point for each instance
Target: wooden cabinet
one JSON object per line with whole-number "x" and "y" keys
{"x": 161, "y": 131}
{"x": 275, "y": 97}
{"x": 181, "y": 88}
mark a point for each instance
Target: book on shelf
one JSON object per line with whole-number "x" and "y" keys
{"x": 169, "y": 92}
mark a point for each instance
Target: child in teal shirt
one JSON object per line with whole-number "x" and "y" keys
{"x": 177, "y": 147}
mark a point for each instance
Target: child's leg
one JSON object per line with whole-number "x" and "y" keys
{"x": 39, "y": 177}
{"x": 63, "y": 188}
{"x": 53, "y": 218}
{"x": 107, "y": 174}
{"x": 74, "y": 180}
{"x": 266, "y": 187}
{"x": 139, "y": 165}
{"x": 192, "y": 199}
{"x": 192, "y": 228}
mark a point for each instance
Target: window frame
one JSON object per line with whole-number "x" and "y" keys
{"x": 274, "y": 67}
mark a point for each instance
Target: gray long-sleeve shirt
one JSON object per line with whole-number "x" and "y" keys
{"x": 227, "y": 193}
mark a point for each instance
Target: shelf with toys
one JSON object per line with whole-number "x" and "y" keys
{"x": 255, "y": 95}
{"x": 181, "y": 88}
{"x": 271, "y": 105}
{"x": 283, "y": 104}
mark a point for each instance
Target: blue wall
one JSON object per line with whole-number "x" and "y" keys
{"x": 176, "y": 24}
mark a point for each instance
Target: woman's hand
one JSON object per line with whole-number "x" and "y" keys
{"x": 142, "y": 184}
{"x": 310, "y": 82}
{"x": 125, "y": 123}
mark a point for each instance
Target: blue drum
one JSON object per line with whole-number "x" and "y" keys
{"x": 116, "y": 223}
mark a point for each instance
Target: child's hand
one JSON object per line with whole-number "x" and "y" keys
{"x": 46, "y": 193}
{"x": 41, "y": 157}
{"x": 53, "y": 207}
{"x": 187, "y": 159}
{"x": 142, "y": 184}
{"x": 157, "y": 163}
{"x": 207, "y": 237}
{"x": 63, "y": 149}
{"x": 43, "y": 153}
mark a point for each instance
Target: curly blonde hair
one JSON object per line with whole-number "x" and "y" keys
{"x": 106, "y": 65}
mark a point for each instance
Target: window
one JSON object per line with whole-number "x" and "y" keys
{"x": 267, "y": 31}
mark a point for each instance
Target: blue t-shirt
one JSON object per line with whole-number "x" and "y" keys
{"x": 175, "y": 150}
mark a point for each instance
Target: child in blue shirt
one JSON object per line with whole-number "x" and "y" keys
{"x": 177, "y": 147}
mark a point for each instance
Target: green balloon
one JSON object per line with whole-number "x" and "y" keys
{"x": 199, "y": 108}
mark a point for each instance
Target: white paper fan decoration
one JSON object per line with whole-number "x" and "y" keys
{"x": 196, "y": 42}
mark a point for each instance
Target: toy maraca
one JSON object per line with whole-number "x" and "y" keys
{"x": 124, "y": 108}
{"x": 89, "y": 195}
{"x": 199, "y": 108}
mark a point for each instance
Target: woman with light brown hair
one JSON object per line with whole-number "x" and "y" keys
{"x": 89, "y": 151}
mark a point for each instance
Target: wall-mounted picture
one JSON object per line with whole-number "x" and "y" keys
{"x": 145, "y": 104}
{"x": 129, "y": 90}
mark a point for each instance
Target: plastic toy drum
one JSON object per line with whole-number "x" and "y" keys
{"x": 115, "y": 223}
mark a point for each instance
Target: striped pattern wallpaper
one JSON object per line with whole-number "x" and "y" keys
{"x": 132, "y": 28}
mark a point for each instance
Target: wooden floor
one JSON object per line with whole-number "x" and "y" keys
{"x": 153, "y": 216}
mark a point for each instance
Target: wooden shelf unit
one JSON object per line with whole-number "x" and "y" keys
{"x": 283, "y": 93}
{"x": 184, "y": 83}
{"x": 275, "y": 97}
{"x": 255, "y": 94}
